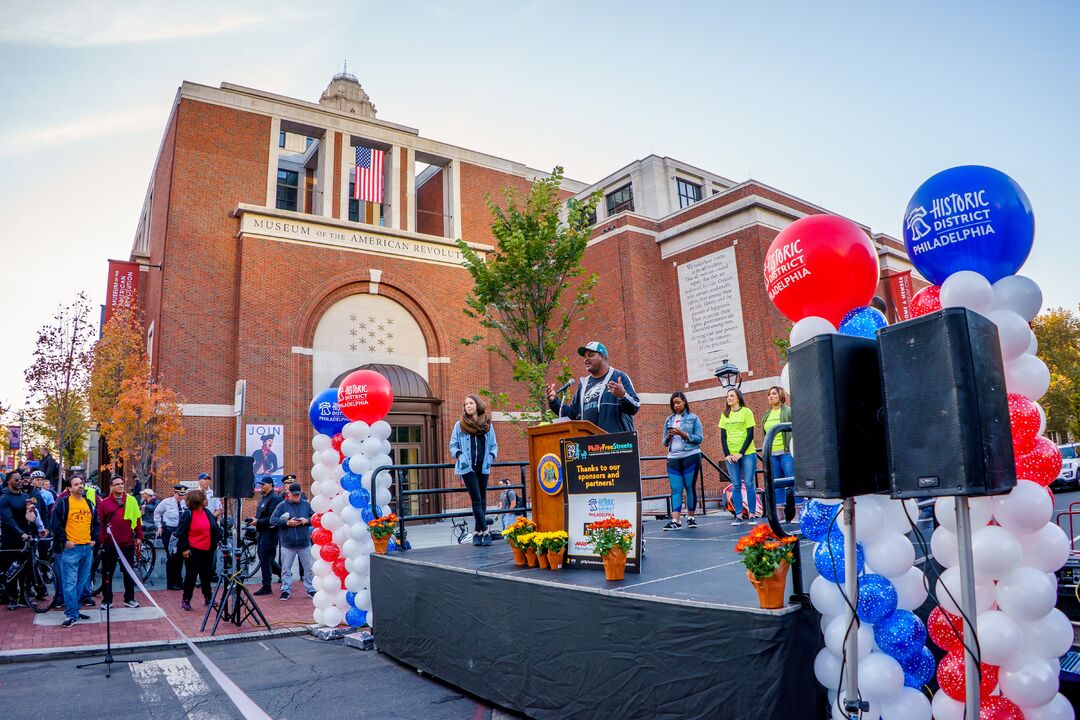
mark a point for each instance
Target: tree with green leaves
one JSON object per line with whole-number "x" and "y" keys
{"x": 1058, "y": 332}
{"x": 531, "y": 289}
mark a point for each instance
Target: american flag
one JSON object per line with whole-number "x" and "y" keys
{"x": 368, "y": 175}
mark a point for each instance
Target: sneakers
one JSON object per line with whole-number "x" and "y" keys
{"x": 738, "y": 520}
{"x": 284, "y": 596}
{"x": 264, "y": 590}
{"x": 486, "y": 540}
{"x": 672, "y": 525}
{"x": 691, "y": 522}
{"x": 477, "y": 539}
{"x": 104, "y": 605}
{"x": 71, "y": 621}
{"x": 131, "y": 603}
{"x": 88, "y": 602}
{"x": 311, "y": 593}
{"x": 57, "y": 603}
{"x": 185, "y": 604}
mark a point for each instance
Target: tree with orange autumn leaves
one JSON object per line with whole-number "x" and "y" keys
{"x": 138, "y": 416}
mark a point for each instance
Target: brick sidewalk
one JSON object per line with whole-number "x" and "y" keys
{"x": 18, "y": 631}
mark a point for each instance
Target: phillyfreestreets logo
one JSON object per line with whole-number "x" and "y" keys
{"x": 953, "y": 218}
{"x": 784, "y": 266}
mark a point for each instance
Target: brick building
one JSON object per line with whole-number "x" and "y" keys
{"x": 257, "y": 264}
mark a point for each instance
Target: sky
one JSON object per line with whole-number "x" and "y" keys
{"x": 849, "y": 105}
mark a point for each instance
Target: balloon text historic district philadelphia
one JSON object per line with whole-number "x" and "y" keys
{"x": 968, "y": 230}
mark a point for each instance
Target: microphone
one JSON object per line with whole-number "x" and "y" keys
{"x": 565, "y": 387}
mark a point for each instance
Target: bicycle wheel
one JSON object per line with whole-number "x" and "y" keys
{"x": 147, "y": 557}
{"x": 37, "y": 579}
{"x": 249, "y": 561}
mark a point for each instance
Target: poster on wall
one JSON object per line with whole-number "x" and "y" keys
{"x": 603, "y": 480}
{"x": 265, "y": 445}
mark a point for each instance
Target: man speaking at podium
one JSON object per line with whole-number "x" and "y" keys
{"x": 605, "y": 397}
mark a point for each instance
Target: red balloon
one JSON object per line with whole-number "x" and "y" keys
{"x": 821, "y": 265}
{"x": 925, "y": 301}
{"x": 339, "y": 568}
{"x": 335, "y": 442}
{"x": 1025, "y": 421}
{"x": 329, "y": 552}
{"x": 950, "y": 675}
{"x": 942, "y": 633}
{"x": 322, "y": 536}
{"x": 997, "y": 707}
{"x": 1041, "y": 464}
{"x": 316, "y": 520}
{"x": 365, "y": 395}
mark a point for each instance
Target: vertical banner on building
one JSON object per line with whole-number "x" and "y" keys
{"x": 603, "y": 480}
{"x": 265, "y": 445}
{"x": 900, "y": 293}
{"x": 123, "y": 289}
{"x": 14, "y": 437}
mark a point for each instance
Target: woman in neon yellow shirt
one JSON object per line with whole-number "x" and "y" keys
{"x": 737, "y": 440}
{"x": 783, "y": 465}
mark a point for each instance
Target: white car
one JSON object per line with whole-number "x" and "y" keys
{"x": 1069, "y": 479}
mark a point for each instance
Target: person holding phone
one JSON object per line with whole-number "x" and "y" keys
{"x": 605, "y": 396}
{"x": 682, "y": 438}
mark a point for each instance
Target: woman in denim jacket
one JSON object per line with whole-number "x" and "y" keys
{"x": 682, "y": 438}
{"x": 473, "y": 447}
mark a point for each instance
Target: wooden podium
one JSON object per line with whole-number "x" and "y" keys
{"x": 544, "y": 441}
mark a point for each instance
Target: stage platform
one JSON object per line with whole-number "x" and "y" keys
{"x": 684, "y": 639}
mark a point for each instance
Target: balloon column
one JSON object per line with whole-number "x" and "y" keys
{"x": 347, "y": 455}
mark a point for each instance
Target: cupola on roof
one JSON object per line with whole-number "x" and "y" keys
{"x": 345, "y": 93}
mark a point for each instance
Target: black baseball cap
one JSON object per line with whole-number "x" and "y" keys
{"x": 294, "y": 488}
{"x": 266, "y": 480}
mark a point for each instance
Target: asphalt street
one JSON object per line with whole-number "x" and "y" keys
{"x": 289, "y": 678}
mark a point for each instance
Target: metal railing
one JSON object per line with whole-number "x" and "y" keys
{"x": 797, "y": 595}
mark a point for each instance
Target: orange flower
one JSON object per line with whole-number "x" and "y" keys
{"x": 772, "y": 545}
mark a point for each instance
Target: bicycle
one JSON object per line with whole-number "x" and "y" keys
{"x": 144, "y": 564}
{"x": 459, "y": 531}
{"x": 31, "y": 577}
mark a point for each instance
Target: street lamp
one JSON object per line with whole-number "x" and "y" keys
{"x": 728, "y": 375}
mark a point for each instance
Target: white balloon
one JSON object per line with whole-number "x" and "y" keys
{"x": 827, "y": 669}
{"x": 869, "y": 516}
{"x": 349, "y": 515}
{"x": 386, "y": 447}
{"x": 826, "y": 597}
{"x": 320, "y": 504}
{"x": 838, "y": 628}
{"x": 809, "y": 327}
{"x": 949, "y": 584}
{"x": 943, "y": 545}
{"x": 785, "y": 379}
{"x": 1028, "y": 680}
{"x": 354, "y": 582}
{"x": 894, "y": 517}
{"x": 337, "y": 472}
{"x": 1048, "y": 637}
{"x": 352, "y": 448}
{"x": 381, "y": 429}
{"x": 889, "y": 553}
{"x": 911, "y": 589}
{"x": 965, "y": 288}
{"x": 1046, "y": 549}
{"x": 322, "y": 600}
{"x": 316, "y": 615}
{"x": 363, "y": 599}
{"x": 380, "y": 460}
{"x": 1024, "y": 509}
{"x": 359, "y": 464}
{"x": 358, "y": 430}
{"x": 333, "y": 616}
{"x": 382, "y": 496}
{"x": 340, "y": 502}
{"x": 320, "y": 568}
{"x": 332, "y": 521}
{"x": 320, "y": 442}
{"x": 365, "y": 481}
{"x": 341, "y": 535}
{"x": 330, "y": 457}
{"x": 1042, "y": 419}
{"x": 357, "y": 531}
{"x": 995, "y": 552}
{"x": 999, "y": 637}
{"x": 980, "y": 510}
{"x": 366, "y": 544}
{"x": 1057, "y": 709}
{"x": 319, "y": 473}
{"x": 908, "y": 704}
{"x": 880, "y": 677}
{"x": 1013, "y": 333}
{"x": 351, "y": 548}
{"x": 945, "y": 708}
{"x": 1025, "y": 595}
{"x": 1033, "y": 345}
{"x": 1028, "y": 376}
{"x": 1018, "y": 294}
{"x": 315, "y": 552}
{"x": 371, "y": 446}
{"x": 362, "y": 565}
{"x": 315, "y": 457}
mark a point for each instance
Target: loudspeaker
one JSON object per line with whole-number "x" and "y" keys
{"x": 836, "y": 417}
{"x": 234, "y": 476}
{"x": 947, "y": 412}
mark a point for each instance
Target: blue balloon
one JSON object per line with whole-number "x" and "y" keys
{"x": 350, "y": 482}
{"x": 356, "y": 617}
{"x": 829, "y": 557}
{"x": 360, "y": 499}
{"x": 918, "y": 668}
{"x": 365, "y": 512}
{"x": 350, "y": 597}
{"x": 900, "y": 634}
{"x": 969, "y": 218}
{"x": 862, "y": 322}
{"x": 325, "y": 414}
{"x": 345, "y": 465}
{"x": 816, "y": 518}
{"x": 391, "y": 546}
{"x": 877, "y": 598}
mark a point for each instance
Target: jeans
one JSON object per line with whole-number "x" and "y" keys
{"x": 476, "y": 484}
{"x": 783, "y": 466}
{"x": 301, "y": 555}
{"x": 109, "y": 561}
{"x": 681, "y": 472}
{"x": 742, "y": 474}
{"x": 75, "y": 564}
{"x": 200, "y": 566}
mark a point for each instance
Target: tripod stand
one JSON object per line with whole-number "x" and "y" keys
{"x": 108, "y": 661}
{"x": 236, "y": 604}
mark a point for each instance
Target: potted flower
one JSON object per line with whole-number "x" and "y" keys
{"x": 526, "y": 541}
{"x": 381, "y": 529}
{"x": 767, "y": 559}
{"x": 554, "y": 546}
{"x": 539, "y": 541}
{"x": 611, "y": 539}
{"x": 521, "y": 526}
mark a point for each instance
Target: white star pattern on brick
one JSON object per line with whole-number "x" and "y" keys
{"x": 371, "y": 334}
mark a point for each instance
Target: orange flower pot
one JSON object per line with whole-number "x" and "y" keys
{"x": 542, "y": 560}
{"x": 770, "y": 589}
{"x": 519, "y": 554}
{"x": 530, "y": 557}
{"x": 381, "y": 544}
{"x": 555, "y": 559}
{"x": 615, "y": 563}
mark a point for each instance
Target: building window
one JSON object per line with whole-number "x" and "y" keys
{"x": 354, "y": 204}
{"x": 307, "y": 142}
{"x": 287, "y": 183}
{"x": 689, "y": 193}
{"x": 281, "y": 139}
{"x": 621, "y": 199}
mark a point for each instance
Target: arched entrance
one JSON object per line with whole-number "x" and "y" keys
{"x": 415, "y": 439}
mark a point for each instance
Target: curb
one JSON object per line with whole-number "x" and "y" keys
{"x": 80, "y": 651}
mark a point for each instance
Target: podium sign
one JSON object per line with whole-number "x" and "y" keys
{"x": 603, "y": 480}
